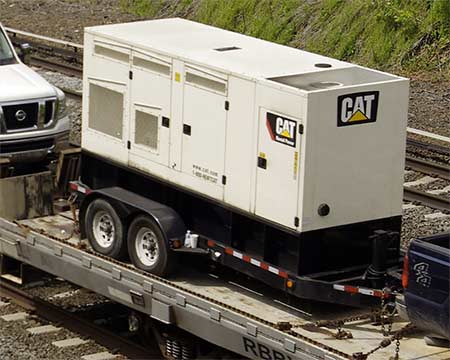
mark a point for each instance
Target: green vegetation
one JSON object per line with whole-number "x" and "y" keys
{"x": 405, "y": 36}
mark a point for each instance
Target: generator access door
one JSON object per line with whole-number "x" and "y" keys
{"x": 277, "y": 172}
{"x": 204, "y": 127}
{"x": 150, "y": 110}
{"x": 106, "y": 95}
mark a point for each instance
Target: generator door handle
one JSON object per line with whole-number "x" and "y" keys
{"x": 262, "y": 162}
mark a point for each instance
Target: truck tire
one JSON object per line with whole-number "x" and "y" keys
{"x": 147, "y": 247}
{"x": 104, "y": 229}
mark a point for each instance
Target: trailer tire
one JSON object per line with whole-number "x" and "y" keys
{"x": 104, "y": 229}
{"x": 148, "y": 248}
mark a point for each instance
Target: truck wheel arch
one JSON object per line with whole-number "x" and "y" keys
{"x": 129, "y": 205}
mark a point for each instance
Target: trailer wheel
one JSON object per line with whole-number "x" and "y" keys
{"x": 104, "y": 229}
{"x": 147, "y": 247}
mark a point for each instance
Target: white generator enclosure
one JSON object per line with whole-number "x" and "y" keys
{"x": 298, "y": 139}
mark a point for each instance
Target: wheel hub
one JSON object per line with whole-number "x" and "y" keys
{"x": 103, "y": 229}
{"x": 147, "y": 248}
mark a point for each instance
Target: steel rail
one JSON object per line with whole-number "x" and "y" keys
{"x": 431, "y": 200}
{"x": 75, "y": 323}
{"x": 15, "y": 32}
{"x": 427, "y": 146}
{"x": 428, "y": 134}
{"x": 73, "y": 94}
{"x": 56, "y": 66}
{"x": 428, "y": 167}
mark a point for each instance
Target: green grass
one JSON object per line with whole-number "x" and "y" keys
{"x": 405, "y": 36}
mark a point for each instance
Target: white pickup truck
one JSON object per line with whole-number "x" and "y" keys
{"x": 33, "y": 119}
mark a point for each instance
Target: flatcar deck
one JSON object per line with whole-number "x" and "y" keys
{"x": 209, "y": 307}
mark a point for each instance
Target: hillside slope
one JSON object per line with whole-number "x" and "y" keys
{"x": 406, "y": 36}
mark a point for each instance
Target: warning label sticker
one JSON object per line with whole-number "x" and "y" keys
{"x": 358, "y": 108}
{"x": 281, "y": 129}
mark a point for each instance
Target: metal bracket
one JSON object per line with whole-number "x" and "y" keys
{"x": 116, "y": 274}
{"x": 31, "y": 240}
{"x": 162, "y": 312}
{"x": 181, "y": 300}
{"x": 87, "y": 262}
{"x": 58, "y": 250}
{"x": 252, "y": 329}
{"x": 289, "y": 345}
{"x": 137, "y": 298}
{"x": 214, "y": 314}
{"x": 148, "y": 287}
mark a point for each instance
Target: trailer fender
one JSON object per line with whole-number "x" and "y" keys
{"x": 129, "y": 204}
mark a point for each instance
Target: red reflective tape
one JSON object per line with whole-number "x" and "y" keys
{"x": 351, "y": 289}
{"x": 229, "y": 251}
{"x": 283, "y": 274}
{"x": 246, "y": 258}
{"x": 379, "y": 294}
{"x": 264, "y": 266}
{"x": 211, "y": 243}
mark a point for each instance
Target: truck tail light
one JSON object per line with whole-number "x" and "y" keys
{"x": 405, "y": 274}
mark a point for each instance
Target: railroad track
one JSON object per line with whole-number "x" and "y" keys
{"x": 440, "y": 149}
{"x": 430, "y": 200}
{"x": 428, "y": 167}
{"x": 49, "y": 64}
{"x": 75, "y": 95}
{"x": 49, "y": 53}
{"x": 75, "y": 323}
{"x": 425, "y": 198}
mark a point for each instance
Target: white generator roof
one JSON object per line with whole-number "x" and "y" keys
{"x": 199, "y": 43}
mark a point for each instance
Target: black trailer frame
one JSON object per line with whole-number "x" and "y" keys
{"x": 224, "y": 234}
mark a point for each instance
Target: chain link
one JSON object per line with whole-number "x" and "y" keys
{"x": 397, "y": 348}
{"x": 385, "y": 316}
{"x": 389, "y": 340}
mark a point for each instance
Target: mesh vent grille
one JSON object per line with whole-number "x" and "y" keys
{"x": 112, "y": 54}
{"x": 105, "y": 110}
{"x": 146, "y": 130}
{"x": 152, "y": 66}
{"x": 205, "y": 82}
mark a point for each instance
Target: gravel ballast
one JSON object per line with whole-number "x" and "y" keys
{"x": 16, "y": 343}
{"x": 73, "y": 106}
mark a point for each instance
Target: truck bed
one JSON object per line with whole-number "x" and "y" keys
{"x": 216, "y": 310}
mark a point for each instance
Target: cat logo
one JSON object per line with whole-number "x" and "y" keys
{"x": 281, "y": 129}
{"x": 359, "y": 108}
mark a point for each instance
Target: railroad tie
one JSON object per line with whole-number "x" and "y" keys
{"x": 69, "y": 342}
{"x": 45, "y": 329}
{"x": 15, "y": 317}
{"x": 99, "y": 356}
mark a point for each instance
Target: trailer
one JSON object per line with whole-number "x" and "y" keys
{"x": 284, "y": 165}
